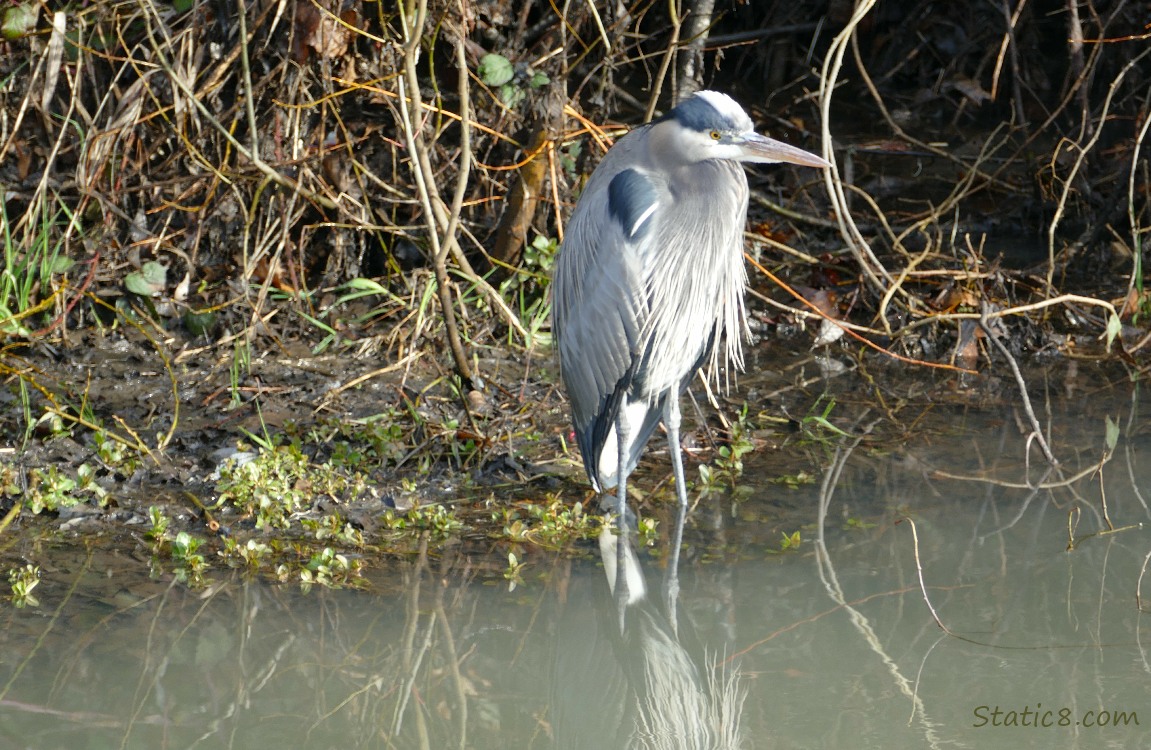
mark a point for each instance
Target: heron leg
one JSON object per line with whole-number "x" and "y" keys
{"x": 621, "y": 592}
{"x": 671, "y": 420}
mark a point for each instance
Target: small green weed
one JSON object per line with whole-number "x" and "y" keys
{"x": 52, "y": 489}
{"x": 856, "y": 524}
{"x": 510, "y": 82}
{"x": 795, "y": 481}
{"x": 332, "y": 321}
{"x": 251, "y": 554}
{"x": 23, "y": 581}
{"x": 366, "y": 444}
{"x": 281, "y": 483}
{"x": 728, "y": 464}
{"x": 239, "y": 370}
{"x": 332, "y": 527}
{"x": 440, "y": 520}
{"x": 330, "y": 569}
{"x": 29, "y": 267}
{"x": 115, "y": 454}
{"x": 555, "y": 524}
{"x": 817, "y": 426}
{"x": 647, "y": 532}
{"x": 526, "y": 288}
{"x": 513, "y": 573}
{"x": 9, "y": 481}
{"x": 160, "y": 524}
{"x": 186, "y": 554}
{"x": 788, "y": 542}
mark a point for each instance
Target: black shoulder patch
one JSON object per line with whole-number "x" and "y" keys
{"x": 631, "y": 201}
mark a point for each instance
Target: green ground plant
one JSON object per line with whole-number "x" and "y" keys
{"x": 552, "y": 523}
{"x": 31, "y": 269}
{"x": 727, "y": 467}
{"x": 52, "y": 488}
{"x": 22, "y": 581}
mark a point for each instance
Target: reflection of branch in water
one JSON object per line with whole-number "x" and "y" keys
{"x": 648, "y": 686}
{"x": 453, "y": 659}
{"x": 1036, "y": 430}
{"x": 1129, "y": 453}
{"x": 830, "y": 580}
{"x": 1055, "y": 476}
{"x": 249, "y": 681}
{"x": 413, "y": 658}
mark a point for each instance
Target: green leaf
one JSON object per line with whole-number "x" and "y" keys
{"x": 1113, "y": 329}
{"x": 538, "y": 80}
{"x": 149, "y": 281}
{"x": 61, "y": 264}
{"x": 19, "y": 21}
{"x": 495, "y": 70}
{"x": 511, "y": 95}
{"x": 1112, "y": 434}
{"x": 199, "y": 323}
{"x": 366, "y": 285}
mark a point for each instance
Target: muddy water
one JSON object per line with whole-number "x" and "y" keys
{"x": 831, "y": 644}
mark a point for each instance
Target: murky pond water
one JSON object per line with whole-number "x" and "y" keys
{"x": 831, "y": 644}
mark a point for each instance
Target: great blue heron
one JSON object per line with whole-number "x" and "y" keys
{"x": 649, "y": 283}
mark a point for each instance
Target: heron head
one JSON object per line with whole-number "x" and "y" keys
{"x": 710, "y": 125}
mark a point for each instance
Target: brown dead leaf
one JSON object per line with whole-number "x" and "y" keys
{"x": 770, "y": 231}
{"x": 971, "y": 89}
{"x": 952, "y": 297}
{"x": 825, "y": 300}
{"x": 320, "y": 30}
{"x": 23, "y": 159}
{"x": 1131, "y": 304}
{"x": 967, "y": 347}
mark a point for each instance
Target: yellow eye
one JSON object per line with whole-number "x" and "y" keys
{"x": 715, "y": 135}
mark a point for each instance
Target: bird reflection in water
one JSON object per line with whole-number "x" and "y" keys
{"x": 649, "y": 685}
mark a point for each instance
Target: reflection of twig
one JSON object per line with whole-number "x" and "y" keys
{"x": 413, "y": 658}
{"x": 1037, "y": 431}
{"x": 1139, "y": 583}
{"x": 1129, "y": 452}
{"x": 919, "y": 677}
{"x": 1023, "y": 506}
{"x": 919, "y": 573}
{"x": 830, "y": 579}
{"x": 453, "y": 663}
{"x": 1042, "y": 484}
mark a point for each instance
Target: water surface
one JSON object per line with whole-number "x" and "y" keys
{"x": 831, "y": 644}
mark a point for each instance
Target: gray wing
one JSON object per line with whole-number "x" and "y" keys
{"x": 600, "y": 307}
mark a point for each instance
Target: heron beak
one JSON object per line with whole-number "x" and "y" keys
{"x": 759, "y": 148}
